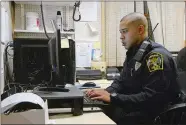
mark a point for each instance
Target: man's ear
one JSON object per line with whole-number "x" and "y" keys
{"x": 141, "y": 29}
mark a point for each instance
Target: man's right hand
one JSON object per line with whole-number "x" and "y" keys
{"x": 94, "y": 92}
{"x": 99, "y": 94}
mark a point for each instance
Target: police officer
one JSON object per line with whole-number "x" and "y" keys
{"x": 145, "y": 87}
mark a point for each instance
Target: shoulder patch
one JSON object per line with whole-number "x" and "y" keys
{"x": 155, "y": 62}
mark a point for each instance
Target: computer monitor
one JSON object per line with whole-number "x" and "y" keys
{"x": 57, "y": 79}
{"x": 65, "y": 57}
{"x": 58, "y": 70}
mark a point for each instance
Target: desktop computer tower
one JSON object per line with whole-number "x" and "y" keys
{"x": 31, "y": 61}
{"x": 68, "y": 60}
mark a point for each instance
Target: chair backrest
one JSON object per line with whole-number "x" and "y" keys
{"x": 175, "y": 115}
{"x": 181, "y": 59}
{"x": 182, "y": 80}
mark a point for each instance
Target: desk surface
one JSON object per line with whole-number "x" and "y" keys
{"x": 86, "y": 118}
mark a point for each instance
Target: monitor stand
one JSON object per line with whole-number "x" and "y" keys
{"x": 72, "y": 99}
{"x": 52, "y": 89}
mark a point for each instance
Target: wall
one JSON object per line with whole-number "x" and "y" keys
{"x": 171, "y": 18}
{"x": 115, "y": 52}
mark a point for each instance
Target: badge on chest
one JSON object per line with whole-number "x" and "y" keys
{"x": 137, "y": 66}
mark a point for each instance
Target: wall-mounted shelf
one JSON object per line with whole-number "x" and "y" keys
{"x": 51, "y": 3}
{"x": 50, "y": 9}
{"x": 33, "y": 31}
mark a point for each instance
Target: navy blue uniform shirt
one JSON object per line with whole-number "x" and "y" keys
{"x": 148, "y": 86}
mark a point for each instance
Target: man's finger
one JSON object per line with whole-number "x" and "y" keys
{"x": 96, "y": 93}
{"x": 97, "y": 98}
{"x": 93, "y": 94}
{"x": 88, "y": 92}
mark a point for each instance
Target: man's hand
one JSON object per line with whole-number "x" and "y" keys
{"x": 99, "y": 94}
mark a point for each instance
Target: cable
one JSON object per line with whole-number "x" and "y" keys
{"x": 7, "y": 76}
{"x": 9, "y": 53}
{"x": 43, "y": 21}
{"x": 76, "y": 5}
{"x": 44, "y": 83}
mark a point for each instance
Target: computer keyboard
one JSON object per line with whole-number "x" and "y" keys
{"x": 92, "y": 103}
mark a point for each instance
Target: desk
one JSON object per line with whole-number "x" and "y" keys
{"x": 86, "y": 118}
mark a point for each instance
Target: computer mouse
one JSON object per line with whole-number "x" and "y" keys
{"x": 89, "y": 84}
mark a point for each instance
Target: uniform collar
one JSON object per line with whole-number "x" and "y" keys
{"x": 132, "y": 51}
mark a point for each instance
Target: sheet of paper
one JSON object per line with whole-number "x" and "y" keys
{"x": 96, "y": 55}
{"x": 88, "y": 11}
{"x": 97, "y": 45}
{"x": 92, "y": 29}
{"x": 83, "y": 54}
{"x": 64, "y": 43}
{"x": 87, "y": 31}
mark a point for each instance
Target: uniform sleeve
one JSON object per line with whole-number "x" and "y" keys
{"x": 116, "y": 85}
{"x": 156, "y": 84}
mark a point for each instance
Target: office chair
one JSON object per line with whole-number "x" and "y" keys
{"x": 174, "y": 115}
{"x": 181, "y": 60}
{"x": 182, "y": 81}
